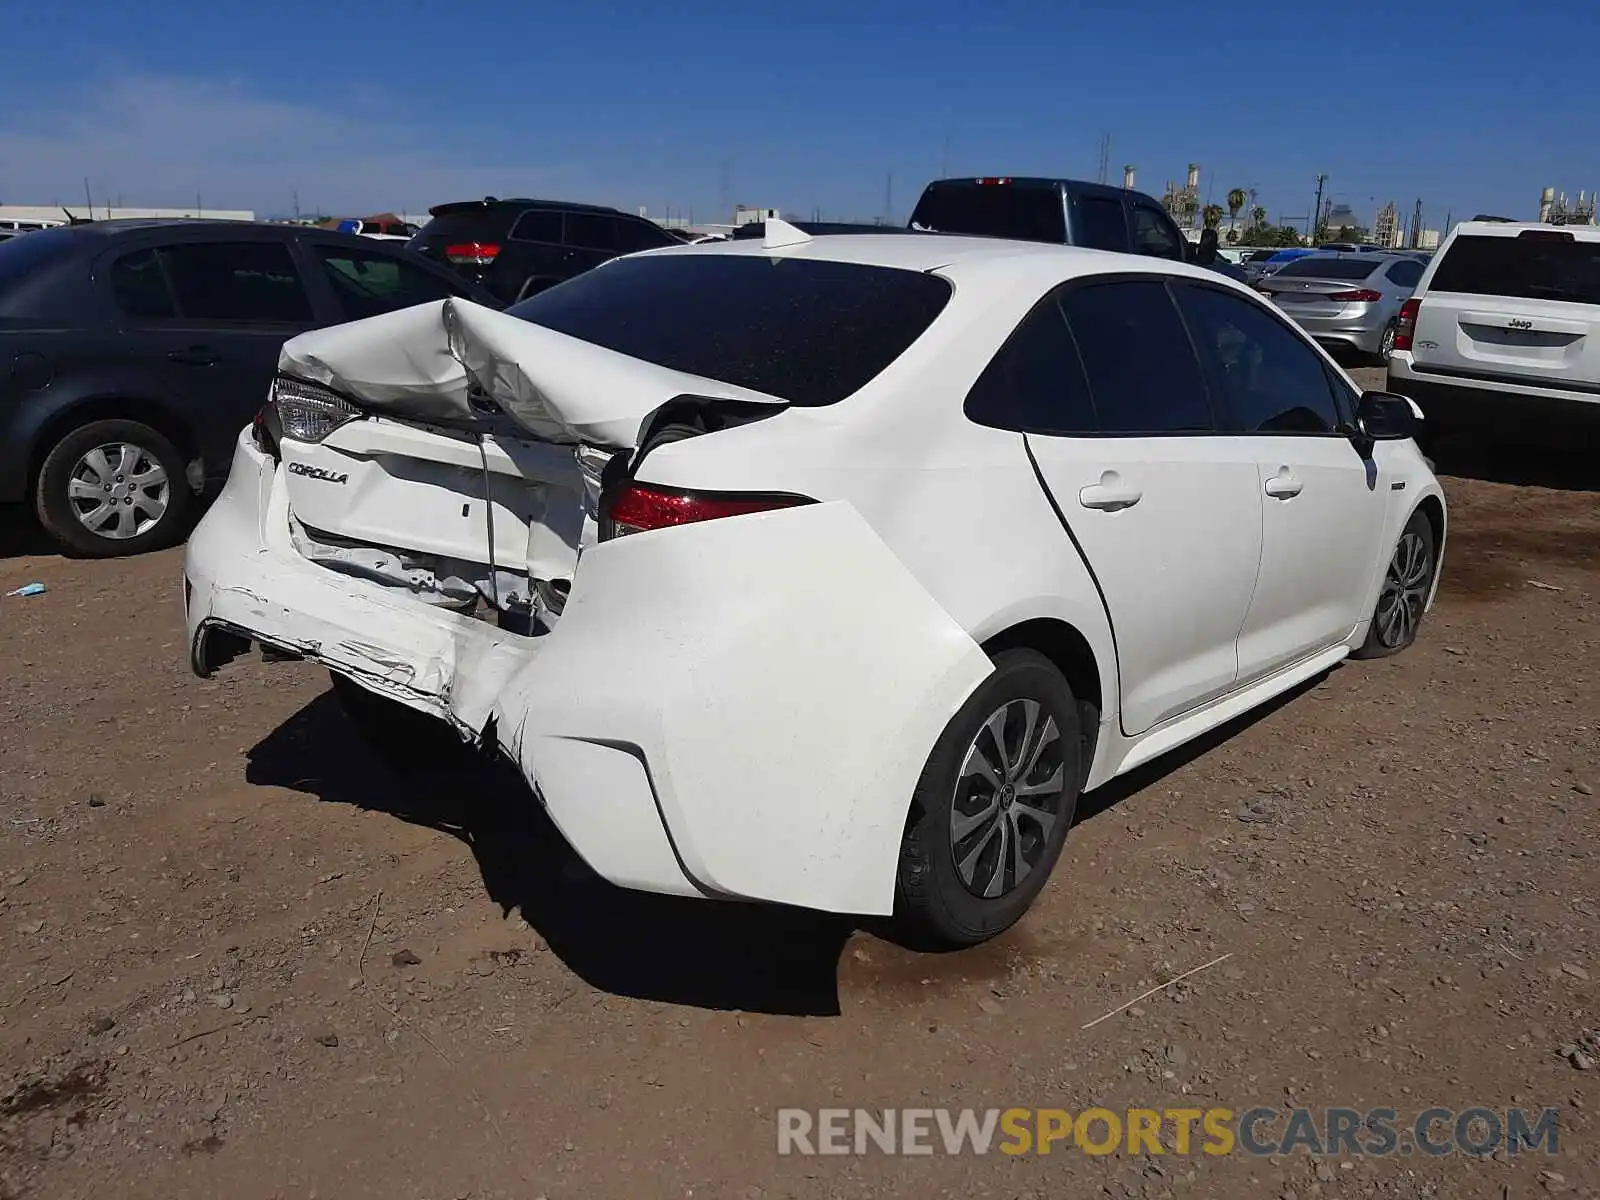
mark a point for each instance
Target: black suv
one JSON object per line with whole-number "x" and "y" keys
{"x": 517, "y": 248}
{"x": 1063, "y": 211}
{"x": 133, "y": 352}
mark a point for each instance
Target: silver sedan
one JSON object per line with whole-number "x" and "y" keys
{"x": 1350, "y": 300}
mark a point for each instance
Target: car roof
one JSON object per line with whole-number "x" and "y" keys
{"x": 1511, "y": 229}
{"x": 950, "y": 254}
{"x": 454, "y": 207}
{"x": 1081, "y": 186}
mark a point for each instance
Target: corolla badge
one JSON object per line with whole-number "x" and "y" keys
{"x": 322, "y": 473}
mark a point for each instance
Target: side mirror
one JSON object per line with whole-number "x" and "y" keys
{"x": 1387, "y": 417}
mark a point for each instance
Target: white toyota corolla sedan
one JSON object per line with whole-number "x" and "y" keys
{"x": 825, "y": 572}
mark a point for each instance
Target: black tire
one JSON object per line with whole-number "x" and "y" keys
{"x": 401, "y": 736}
{"x": 69, "y": 519}
{"x": 1406, "y": 580}
{"x": 936, "y": 907}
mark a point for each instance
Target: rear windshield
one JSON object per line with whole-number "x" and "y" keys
{"x": 470, "y": 225}
{"x": 21, "y": 254}
{"x": 806, "y": 331}
{"x": 1027, "y": 212}
{"x": 1531, "y": 268}
{"x": 1329, "y": 268}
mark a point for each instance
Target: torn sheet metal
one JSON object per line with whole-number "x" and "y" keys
{"x": 426, "y": 362}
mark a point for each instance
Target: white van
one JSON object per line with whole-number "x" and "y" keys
{"x": 1502, "y": 335}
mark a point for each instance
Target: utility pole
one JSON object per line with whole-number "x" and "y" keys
{"x": 1105, "y": 156}
{"x": 87, "y": 198}
{"x": 1316, "y": 209}
{"x": 1416, "y": 224}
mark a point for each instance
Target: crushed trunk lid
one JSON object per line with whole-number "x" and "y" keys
{"x": 427, "y": 363}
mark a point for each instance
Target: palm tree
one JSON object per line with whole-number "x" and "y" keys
{"x": 1258, "y": 217}
{"x": 1211, "y": 214}
{"x": 1236, "y": 199}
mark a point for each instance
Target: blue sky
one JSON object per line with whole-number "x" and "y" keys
{"x": 812, "y": 105}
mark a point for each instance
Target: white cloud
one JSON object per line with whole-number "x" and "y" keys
{"x": 160, "y": 141}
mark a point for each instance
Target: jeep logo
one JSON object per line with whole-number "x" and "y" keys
{"x": 1519, "y": 323}
{"x": 322, "y": 473}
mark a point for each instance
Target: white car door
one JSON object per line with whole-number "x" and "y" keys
{"x": 1166, "y": 514}
{"x": 1323, "y": 503}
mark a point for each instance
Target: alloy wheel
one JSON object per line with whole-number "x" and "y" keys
{"x": 1007, "y": 798}
{"x": 119, "y": 491}
{"x": 1405, "y": 591}
{"x": 1386, "y": 346}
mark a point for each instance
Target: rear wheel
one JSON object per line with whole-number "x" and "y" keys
{"x": 992, "y": 808}
{"x": 111, "y": 488}
{"x": 1386, "y": 344}
{"x": 1407, "y": 580}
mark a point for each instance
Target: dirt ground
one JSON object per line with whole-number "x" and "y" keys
{"x": 243, "y": 959}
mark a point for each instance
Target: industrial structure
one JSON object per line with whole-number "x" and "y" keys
{"x": 1182, "y": 204}
{"x": 1386, "y": 226}
{"x": 1554, "y": 209}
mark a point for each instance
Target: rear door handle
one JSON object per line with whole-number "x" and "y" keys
{"x": 1285, "y": 485}
{"x": 194, "y": 356}
{"x": 1111, "y": 494}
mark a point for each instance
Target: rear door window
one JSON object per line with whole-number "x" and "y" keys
{"x": 637, "y": 235}
{"x": 1155, "y": 234}
{"x": 1102, "y": 224}
{"x": 139, "y": 286}
{"x": 1142, "y": 372}
{"x": 366, "y": 283}
{"x": 807, "y": 331}
{"x": 590, "y": 231}
{"x": 538, "y": 225}
{"x": 1027, "y": 212}
{"x": 1405, "y": 274}
{"x": 1271, "y": 380}
{"x": 250, "y": 282}
{"x": 1035, "y": 384}
{"x": 1548, "y": 267}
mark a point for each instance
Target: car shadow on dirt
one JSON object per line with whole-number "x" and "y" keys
{"x": 709, "y": 954}
{"x": 1568, "y": 470}
{"x": 20, "y": 535}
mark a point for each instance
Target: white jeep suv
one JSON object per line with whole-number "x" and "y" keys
{"x": 1502, "y": 335}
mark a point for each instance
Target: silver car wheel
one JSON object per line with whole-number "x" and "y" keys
{"x": 1405, "y": 591}
{"x": 119, "y": 491}
{"x": 1007, "y": 798}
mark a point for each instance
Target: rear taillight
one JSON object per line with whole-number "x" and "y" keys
{"x": 471, "y": 254}
{"x": 306, "y": 412}
{"x": 1364, "y": 295}
{"x": 636, "y": 507}
{"x": 1406, "y": 327}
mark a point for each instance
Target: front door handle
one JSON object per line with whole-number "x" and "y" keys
{"x": 194, "y": 356}
{"x": 1111, "y": 494}
{"x": 1285, "y": 485}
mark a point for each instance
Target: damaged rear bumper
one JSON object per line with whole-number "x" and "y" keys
{"x": 714, "y": 714}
